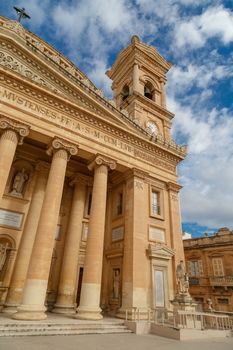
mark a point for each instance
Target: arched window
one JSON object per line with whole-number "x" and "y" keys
{"x": 148, "y": 90}
{"x": 125, "y": 92}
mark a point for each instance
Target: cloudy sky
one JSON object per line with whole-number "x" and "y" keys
{"x": 197, "y": 36}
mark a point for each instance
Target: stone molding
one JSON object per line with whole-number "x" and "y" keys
{"x": 21, "y": 129}
{"x": 138, "y": 173}
{"x": 58, "y": 144}
{"x": 171, "y": 186}
{"x": 160, "y": 252}
{"x": 102, "y": 160}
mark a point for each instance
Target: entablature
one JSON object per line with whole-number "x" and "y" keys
{"x": 157, "y": 154}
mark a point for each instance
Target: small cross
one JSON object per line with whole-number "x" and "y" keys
{"x": 21, "y": 13}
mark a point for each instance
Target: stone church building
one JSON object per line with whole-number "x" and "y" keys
{"x": 89, "y": 213}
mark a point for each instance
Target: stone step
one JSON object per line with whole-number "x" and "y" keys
{"x": 77, "y": 332}
{"x": 63, "y": 326}
{"x": 19, "y": 329}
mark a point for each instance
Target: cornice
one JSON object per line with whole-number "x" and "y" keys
{"x": 171, "y": 186}
{"x": 139, "y": 98}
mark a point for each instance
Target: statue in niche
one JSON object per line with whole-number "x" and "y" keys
{"x": 182, "y": 279}
{"x": 3, "y": 255}
{"x": 116, "y": 283}
{"x": 19, "y": 182}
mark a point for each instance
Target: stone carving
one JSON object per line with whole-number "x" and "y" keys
{"x": 60, "y": 144}
{"x": 19, "y": 182}
{"x": 116, "y": 283}
{"x": 210, "y": 305}
{"x": 102, "y": 160}
{"x": 21, "y": 129}
{"x": 3, "y": 255}
{"x": 182, "y": 280}
{"x": 16, "y": 27}
{"x": 13, "y": 64}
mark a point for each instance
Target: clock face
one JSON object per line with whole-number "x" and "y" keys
{"x": 152, "y": 126}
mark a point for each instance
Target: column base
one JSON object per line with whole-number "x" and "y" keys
{"x": 64, "y": 309}
{"x": 89, "y": 314}
{"x": 30, "y": 313}
{"x": 10, "y": 308}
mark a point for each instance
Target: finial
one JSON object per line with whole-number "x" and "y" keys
{"x": 21, "y": 13}
{"x": 135, "y": 39}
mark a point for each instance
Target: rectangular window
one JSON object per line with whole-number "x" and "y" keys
{"x": 218, "y": 267}
{"x": 155, "y": 207}
{"x": 195, "y": 268}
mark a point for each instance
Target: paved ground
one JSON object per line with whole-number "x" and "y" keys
{"x": 111, "y": 342}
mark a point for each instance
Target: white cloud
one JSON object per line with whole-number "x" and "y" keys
{"x": 193, "y": 32}
{"x": 207, "y": 172}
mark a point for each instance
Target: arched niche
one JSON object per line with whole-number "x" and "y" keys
{"x": 19, "y": 178}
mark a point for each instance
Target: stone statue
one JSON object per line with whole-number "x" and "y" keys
{"x": 3, "y": 255}
{"x": 182, "y": 279}
{"x": 210, "y": 304}
{"x": 116, "y": 283}
{"x": 19, "y": 182}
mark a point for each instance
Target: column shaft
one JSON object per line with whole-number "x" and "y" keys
{"x": 91, "y": 285}
{"x": 67, "y": 285}
{"x": 8, "y": 144}
{"x": 37, "y": 278}
{"x": 136, "y": 78}
{"x": 14, "y": 296}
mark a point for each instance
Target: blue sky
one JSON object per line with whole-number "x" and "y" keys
{"x": 197, "y": 36}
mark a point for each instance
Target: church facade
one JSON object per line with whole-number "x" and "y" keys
{"x": 89, "y": 214}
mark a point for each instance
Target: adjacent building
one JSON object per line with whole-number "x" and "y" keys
{"x": 209, "y": 262}
{"x": 89, "y": 212}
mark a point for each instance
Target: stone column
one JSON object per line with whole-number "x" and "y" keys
{"x": 136, "y": 78}
{"x": 163, "y": 93}
{"x": 14, "y": 296}
{"x": 13, "y": 134}
{"x": 35, "y": 288}
{"x": 67, "y": 285}
{"x": 90, "y": 293}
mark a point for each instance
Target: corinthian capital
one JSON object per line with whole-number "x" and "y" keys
{"x": 102, "y": 160}
{"x": 60, "y": 144}
{"x": 19, "y": 128}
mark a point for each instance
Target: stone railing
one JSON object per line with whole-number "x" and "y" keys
{"x": 221, "y": 281}
{"x": 193, "y": 320}
{"x": 138, "y": 314}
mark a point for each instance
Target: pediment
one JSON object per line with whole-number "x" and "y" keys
{"x": 160, "y": 252}
{"x": 65, "y": 81}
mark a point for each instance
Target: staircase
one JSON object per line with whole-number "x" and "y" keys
{"x": 15, "y": 329}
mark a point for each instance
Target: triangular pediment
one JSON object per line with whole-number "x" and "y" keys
{"x": 26, "y": 55}
{"x": 160, "y": 252}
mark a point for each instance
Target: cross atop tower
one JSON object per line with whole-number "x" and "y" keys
{"x": 21, "y": 13}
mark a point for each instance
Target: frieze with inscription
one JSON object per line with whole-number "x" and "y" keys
{"x": 83, "y": 129}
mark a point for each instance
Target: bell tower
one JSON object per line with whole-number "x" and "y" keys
{"x": 139, "y": 77}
